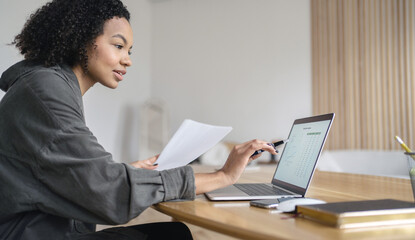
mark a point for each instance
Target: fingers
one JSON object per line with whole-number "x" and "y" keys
{"x": 255, "y": 145}
{"x": 153, "y": 159}
{"x": 150, "y": 167}
{"x": 151, "y": 163}
{"x": 147, "y": 164}
{"x": 241, "y": 155}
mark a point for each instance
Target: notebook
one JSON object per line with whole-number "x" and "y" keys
{"x": 367, "y": 213}
{"x": 295, "y": 168}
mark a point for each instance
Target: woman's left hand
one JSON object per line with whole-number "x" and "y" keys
{"x": 146, "y": 164}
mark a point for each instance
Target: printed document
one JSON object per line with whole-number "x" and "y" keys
{"x": 190, "y": 141}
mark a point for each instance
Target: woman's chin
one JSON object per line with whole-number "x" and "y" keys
{"x": 112, "y": 85}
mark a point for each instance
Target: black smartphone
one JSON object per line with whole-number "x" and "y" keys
{"x": 268, "y": 203}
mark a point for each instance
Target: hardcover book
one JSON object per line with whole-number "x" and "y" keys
{"x": 353, "y": 214}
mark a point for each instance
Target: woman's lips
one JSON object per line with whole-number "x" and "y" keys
{"x": 119, "y": 75}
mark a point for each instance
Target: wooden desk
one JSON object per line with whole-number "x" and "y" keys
{"x": 238, "y": 219}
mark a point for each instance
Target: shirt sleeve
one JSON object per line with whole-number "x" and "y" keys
{"x": 81, "y": 181}
{"x": 74, "y": 176}
{"x": 60, "y": 168}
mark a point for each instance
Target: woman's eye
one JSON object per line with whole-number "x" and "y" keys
{"x": 118, "y": 46}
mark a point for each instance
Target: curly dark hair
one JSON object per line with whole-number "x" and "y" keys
{"x": 61, "y": 30}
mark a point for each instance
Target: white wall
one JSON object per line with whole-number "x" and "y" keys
{"x": 241, "y": 63}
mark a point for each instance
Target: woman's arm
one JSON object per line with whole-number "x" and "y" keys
{"x": 239, "y": 157}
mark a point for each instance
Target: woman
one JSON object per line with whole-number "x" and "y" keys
{"x": 56, "y": 180}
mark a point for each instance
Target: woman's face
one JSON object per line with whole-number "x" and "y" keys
{"x": 109, "y": 57}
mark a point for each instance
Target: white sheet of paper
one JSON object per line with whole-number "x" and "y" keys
{"x": 190, "y": 141}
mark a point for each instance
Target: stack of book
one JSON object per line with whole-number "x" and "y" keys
{"x": 352, "y": 214}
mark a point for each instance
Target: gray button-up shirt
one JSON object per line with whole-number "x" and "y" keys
{"x": 56, "y": 180}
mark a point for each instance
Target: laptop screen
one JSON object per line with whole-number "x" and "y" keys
{"x": 301, "y": 153}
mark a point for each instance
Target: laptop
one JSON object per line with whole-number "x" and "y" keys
{"x": 295, "y": 168}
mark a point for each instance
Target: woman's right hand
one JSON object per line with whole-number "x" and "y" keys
{"x": 237, "y": 160}
{"x": 241, "y": 156}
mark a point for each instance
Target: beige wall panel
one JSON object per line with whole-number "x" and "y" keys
{"x": 363, "y": 70}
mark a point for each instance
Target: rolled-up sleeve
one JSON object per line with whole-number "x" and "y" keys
{"x": 56, "y": 165}
{"x": 80, "y": 180}
{"x": 178, "y": 183}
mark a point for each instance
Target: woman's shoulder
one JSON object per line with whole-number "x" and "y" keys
{"x": 57, "y": 89}
{"x": 59, "y": 78}
{"x": 39, "y": 77}
{"x": 52, "y": 89}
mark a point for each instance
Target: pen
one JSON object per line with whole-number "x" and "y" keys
{"x": 403, "y": 145}
{"x": 276, "y": 144}
{"x": 407, "y": 149}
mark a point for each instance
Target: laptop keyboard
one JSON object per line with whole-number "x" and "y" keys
{"x": 253, "y": 189}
